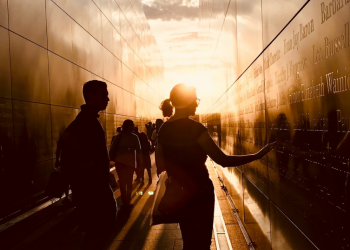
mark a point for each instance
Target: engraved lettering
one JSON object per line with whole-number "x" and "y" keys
{"x": 327, "y": 10}
{"x": 288, "y": 45}
{"x": 317, "y": 55}
{"x": 307, "y": 29}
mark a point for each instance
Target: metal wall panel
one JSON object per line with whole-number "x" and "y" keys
{"x": 128, "y": 79}
{"x": 249, "y": 32}
{"x": 275, "y": 15}
{"x": 116, "y": 46}
{"x": 79, "y": 11}
{"x": 106, "y": 8}
{"x": 308, "y": 113}
{"x": 62, "y": 91}
{"x": 111, "y": 127}
{"x": 27, "y": 18}
{"x": 107, "y": 31}
{"x": 284, "y": 233}
{"x": 5, "y": 73}
{"x": 115, "y": 16}
{"x": 83, "y": 43}
{"x": 96, "y": 57}
{"x": 295, "y": 92}
{"x": 81, "y": 49}
{"x": 29, "y": 70}
{"x": 59, "y": 31}
{"x": 4, "y": 13}
{"x": 120, "y": 101}
{"x": 108, "y": 65}
{"x": 32, "y": 131}
{"x": 256, "y": 216}
{"x": 112, "y": 95}
{"x": 95, "y": 21}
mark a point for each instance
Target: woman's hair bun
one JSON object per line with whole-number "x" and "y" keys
{"x": 166, "y": 108}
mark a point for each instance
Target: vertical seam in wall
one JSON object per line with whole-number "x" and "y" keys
{"x": 104, "y": 124}
{"x": 48, "y": 74}
{"x": 267, "y": 156}
{"x": 222, "y": 27}
{"x": 265, "y": 115}
{"x": 12, "y": 105}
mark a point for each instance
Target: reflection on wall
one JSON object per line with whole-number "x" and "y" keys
{"x": 293, "y": 88}
{"x": 48, "y": 49}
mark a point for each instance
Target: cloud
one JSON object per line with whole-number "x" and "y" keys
{"x": 185, "y": 37}
{"x": 167, "y": 10}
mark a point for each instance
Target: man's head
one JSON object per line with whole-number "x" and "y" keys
{"x": 95, "y": 94}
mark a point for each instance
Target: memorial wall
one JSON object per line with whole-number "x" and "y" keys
{"x": 48, "y": 50}
{"x": 292, "y": 85}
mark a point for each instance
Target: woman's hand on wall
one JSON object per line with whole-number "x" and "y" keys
{"x": 266, "y": 149}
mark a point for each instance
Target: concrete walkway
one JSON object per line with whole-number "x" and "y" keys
{"x": 134, "y": 230}
{"x": 135, "y": 233}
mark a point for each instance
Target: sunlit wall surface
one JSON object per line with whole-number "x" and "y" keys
{"x": 48, "y": 49}
{"x": 291, "y": 84}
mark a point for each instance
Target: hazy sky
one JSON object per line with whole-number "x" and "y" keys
{"x": 174, "y": 24}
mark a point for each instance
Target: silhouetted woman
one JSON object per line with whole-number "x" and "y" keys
{"x": 122, "y": 152}
{"x": 183, "y": 147}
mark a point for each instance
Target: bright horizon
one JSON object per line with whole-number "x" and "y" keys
{"x": 175, "y": 27}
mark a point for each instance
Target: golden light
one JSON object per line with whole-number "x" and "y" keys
{"x": 202, "y": 81}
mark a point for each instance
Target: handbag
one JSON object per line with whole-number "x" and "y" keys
{"x": 175, "y": 197}
{"x": 156, "y": 216}
{"x": 170, "y": 198}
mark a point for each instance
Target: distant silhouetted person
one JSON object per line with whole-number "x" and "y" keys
{"x": 149, "y": 129}
{"x": 183, "y": 147}
{"x": 137, "y": 170}
{"x": 118, "y": 130}
{"x": 159, "y": 123}
{"x": 136, "y": 131}
{"x": 122, "y": 152}
{"x": 146, "y": 149}
{"x": 85, "y": 153}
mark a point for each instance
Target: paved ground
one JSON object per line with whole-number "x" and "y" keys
{"x": 134, "y": 231}
{"x": 232, "y": 227}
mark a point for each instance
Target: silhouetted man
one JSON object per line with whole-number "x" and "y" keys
{"x": 85, "y": 152}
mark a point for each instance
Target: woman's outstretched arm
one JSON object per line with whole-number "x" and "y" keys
{"x": 215, "y": 153}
